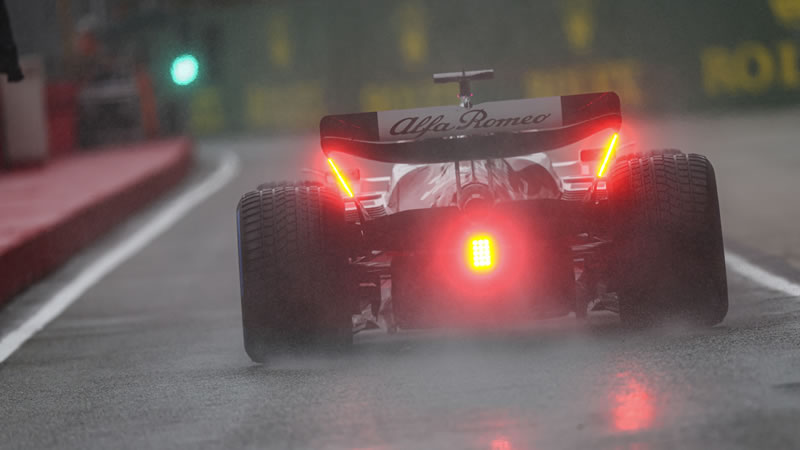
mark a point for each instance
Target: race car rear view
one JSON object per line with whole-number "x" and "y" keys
{"x": 493, "y": 212}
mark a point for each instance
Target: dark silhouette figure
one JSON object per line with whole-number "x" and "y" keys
{"x": 9, "y": 60}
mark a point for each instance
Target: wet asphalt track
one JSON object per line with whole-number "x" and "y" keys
{"x": 151, "y": 357}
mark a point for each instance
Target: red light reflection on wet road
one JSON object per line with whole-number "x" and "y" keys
{"x": 500, "y": 444}
{"x": 633, "y": 404}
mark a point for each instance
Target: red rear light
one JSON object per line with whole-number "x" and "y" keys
{"x": 481, "y": 255}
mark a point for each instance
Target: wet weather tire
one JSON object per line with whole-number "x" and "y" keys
{"x": 293, "y": 265}
{"x": 670, "y": 260}
{"x": 273, "y": 184}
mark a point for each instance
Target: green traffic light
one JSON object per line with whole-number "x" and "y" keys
{"x": 184, "y": 69}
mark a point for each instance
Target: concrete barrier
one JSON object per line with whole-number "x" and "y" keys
{"x": 49, "y": 214}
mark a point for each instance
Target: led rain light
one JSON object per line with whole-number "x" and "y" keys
{"x": 610, "y": 150}
{"x": 481, "y": 253}
{"x": 342, "y": 182}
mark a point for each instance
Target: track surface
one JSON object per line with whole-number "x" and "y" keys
{"x": 151, "y": 356}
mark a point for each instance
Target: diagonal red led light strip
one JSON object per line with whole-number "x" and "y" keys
{"x": 610, "y": 150}
{"x": 342, "y": 182}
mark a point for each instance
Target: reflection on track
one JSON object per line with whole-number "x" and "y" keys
{"x": 500, "y": 443}
{"x": 633, "y": 408}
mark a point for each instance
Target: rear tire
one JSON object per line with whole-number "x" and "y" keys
{"x": 275, "y": 184}
{"x": 293, "y": 267}
{"x": 670, "y": 259}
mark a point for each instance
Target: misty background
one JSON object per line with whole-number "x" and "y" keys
{"x": 278, "y": 66}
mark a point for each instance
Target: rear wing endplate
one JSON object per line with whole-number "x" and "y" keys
{"x": 500, "y": 129}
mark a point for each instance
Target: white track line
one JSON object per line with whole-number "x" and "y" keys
{"x": 170, "y": 214}
{"x": 754, "y": 273}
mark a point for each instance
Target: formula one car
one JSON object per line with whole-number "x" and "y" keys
{"x": 493, "y": 212}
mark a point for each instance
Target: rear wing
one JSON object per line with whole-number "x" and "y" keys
{"x": 501, "y": 129}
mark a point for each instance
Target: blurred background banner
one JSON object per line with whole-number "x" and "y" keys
{"x": 277, "y": 66}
